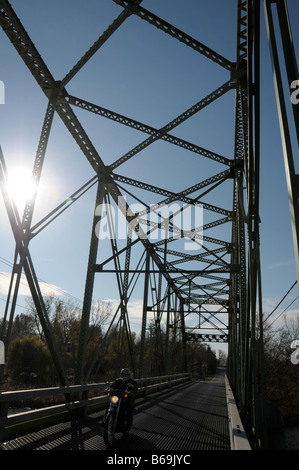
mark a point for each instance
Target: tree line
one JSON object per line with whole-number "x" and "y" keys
{"x": 281, "y": 370}
{"x": 29, "y": 363}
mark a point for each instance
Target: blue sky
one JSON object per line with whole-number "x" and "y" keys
{"x": 144, "y": 74}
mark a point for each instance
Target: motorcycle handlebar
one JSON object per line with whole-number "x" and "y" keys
{"x": 116, "y": 391}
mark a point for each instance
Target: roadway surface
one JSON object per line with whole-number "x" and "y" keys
{"x": 192, "y": 417}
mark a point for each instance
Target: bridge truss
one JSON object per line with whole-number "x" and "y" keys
{"x": 200, "y": 281}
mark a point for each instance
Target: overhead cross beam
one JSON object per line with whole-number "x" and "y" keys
{"x": 177, "y": 34}
{"x": 112, "y": 115}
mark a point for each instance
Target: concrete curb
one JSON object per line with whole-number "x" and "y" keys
{"x": 238, "y": 437}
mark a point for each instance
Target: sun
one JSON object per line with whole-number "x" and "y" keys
{"x": 21, "y": 187}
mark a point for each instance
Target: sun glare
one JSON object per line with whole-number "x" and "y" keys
{"x": 20, "y": 186}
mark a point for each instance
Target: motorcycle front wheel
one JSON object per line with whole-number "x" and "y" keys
{"x": 109, "y": 430}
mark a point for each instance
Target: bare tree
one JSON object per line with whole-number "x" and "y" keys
{"x": 282, "y": 376}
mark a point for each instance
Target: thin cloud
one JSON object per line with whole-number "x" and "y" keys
{"x": 280, "y": 319}
{"x": 280, "y": 264}
{"x": 285, "y": 311}
{"x": 46, "y": 289}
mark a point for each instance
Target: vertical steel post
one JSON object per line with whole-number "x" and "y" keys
{"x": 292, "y": 177}
{"x": 255, "y": 396}
{"x": 289, "y": 55}
{"x": 144, "y": 315}
{"x": 167, "y": 331}
{"x": 183, "y": 333}
{"x": 89, "y": 283}
{"x": 124, "y": 302}
{"x": 238, "y": 312}
{"x": 245, "y": 342}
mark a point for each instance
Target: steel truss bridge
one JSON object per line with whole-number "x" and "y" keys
{"x": 216, "y": 283}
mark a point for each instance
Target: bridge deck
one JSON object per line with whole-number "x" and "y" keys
{"x": 193, "y": 417}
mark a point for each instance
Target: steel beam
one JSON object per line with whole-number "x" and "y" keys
{"x": 207, "y": 338}
{"x": 88, "y": 294}
{"x": 22, "y": 251}
{"x": 292, "y": 177}
{"x": 100, "y": 41}
{"x": 177, "y": 34}
{"x": 119, "y": 118}
{"x": 175, "y": 122}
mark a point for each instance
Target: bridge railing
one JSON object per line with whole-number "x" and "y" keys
{"x": 76, "y": 402}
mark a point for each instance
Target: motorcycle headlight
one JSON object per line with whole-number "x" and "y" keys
{"x": 114, "y": 399}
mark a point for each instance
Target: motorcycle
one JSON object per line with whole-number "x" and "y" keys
{"x": 115, "y": 419}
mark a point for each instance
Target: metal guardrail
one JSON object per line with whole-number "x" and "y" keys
{"x": 76, "y": 403}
